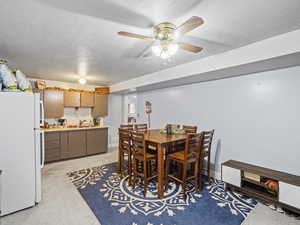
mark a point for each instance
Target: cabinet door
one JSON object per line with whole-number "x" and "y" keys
{"x": 64, "y": 145}
{"x": 231, "y": 176}
{"x": 53, "y": 104}
{"x": 96, "y": 141}
{"x": 101, "y": 105}
{"x": 52, "y": 146}
{"x": 72, "y": 99}
{"x": 289, "y": 194}
{"x": 87, "y": 99}
{"x": 77, "y": 143}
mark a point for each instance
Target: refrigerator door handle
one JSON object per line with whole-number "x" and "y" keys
{"x": 43, "y": 149}
{"x": 42, "y": 116}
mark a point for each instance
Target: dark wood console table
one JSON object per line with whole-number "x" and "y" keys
{"x": 288, "y": 195}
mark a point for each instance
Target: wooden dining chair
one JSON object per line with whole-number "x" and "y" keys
{"x": 125, "y": 151}
{"x": 143, "y": 161}
{"x": 189, "y": 129}
{"x": 126, "y": 126}
{"x": 206, "y": 146}
{"x": 191, "y": 154}
{"x": 141, "y": 127}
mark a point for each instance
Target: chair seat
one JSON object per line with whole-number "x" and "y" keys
{"x": 179, "y": 156}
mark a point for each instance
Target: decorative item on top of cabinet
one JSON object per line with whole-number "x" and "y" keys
{"x": 87, "y": 99}
{"x": 101, "y": 105}
{"x": 102, "y": 90}
{"x": 53, "y": 103}
{"x": 72, "y": 99}
{"x": 96, "y": 141}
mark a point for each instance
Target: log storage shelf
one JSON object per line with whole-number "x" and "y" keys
{"x": 247, "y": 179}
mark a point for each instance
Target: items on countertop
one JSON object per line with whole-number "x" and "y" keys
{"x": 62, "y": 123}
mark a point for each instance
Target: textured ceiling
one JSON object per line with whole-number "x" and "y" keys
{"x": 58, "y": 39}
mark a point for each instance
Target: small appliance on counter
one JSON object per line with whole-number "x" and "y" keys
{"x": 98, "y": 121}
{"x": 62, "y": 123}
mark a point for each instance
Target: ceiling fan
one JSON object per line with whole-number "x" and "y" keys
{"x": 166, "y": 34}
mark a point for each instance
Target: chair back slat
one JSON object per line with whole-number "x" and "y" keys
{"x": 124, "y": 139}
{"x": 141, "y": 127}
{"x": 127, "y": 126}
{"x": 193, "y": 145}
{"x": 208, "y": 137}
{"x": 138, "y": 142}
{"x": 189, "y": 129}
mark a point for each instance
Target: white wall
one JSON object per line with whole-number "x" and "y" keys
{"x": 256, "y": 118}
{"x": 114, "y": 118}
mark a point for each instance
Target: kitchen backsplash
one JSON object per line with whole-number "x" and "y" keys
{"x": 74, "y": 115}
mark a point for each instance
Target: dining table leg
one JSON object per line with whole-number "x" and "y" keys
{"x": 160, "y": 170}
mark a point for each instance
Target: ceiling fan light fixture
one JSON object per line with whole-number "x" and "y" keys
{"x": 156, "y": 49}
{"x": 165, "y": 51}
{"x": 82, "y": 80}
{"x": 165, "y": 54}
{"x": 172, "y": 49}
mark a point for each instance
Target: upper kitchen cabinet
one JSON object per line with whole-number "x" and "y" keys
{"x": 100, "y": 105}
{"x": 72, "y": 99}
{"x": 86, "y": 99}
{"x": 53, "y": 103}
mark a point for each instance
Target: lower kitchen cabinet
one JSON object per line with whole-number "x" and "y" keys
{"x": 64, "y": 145}
{"x": 77, "y": 143}
{"x": 52, "y": 147}
{"x": 96, "y": 141}
{"x": 61, "y": 145}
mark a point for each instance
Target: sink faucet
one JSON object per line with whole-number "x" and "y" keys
{"x": 81, "y": 122}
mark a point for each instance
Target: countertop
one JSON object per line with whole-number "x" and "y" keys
{"x": 70, "y": 129}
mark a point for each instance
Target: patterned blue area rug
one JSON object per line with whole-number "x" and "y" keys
{"x": 114, "y": 202}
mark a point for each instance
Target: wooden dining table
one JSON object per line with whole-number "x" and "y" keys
{"x": 162, "y": 141}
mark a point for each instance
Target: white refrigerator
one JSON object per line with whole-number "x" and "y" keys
{"x": 21, "y": 151}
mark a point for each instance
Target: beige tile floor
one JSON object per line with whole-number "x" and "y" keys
{"x": 63, "y": 205}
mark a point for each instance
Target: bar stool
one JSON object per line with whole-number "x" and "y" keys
{"x": 143, "y": 161}
{"x": 208, "y": 137}
{"x": 125, "y": 151}
{"x": 191, "y": 154}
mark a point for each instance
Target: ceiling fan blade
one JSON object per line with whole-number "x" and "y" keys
{"x": 189, "y": 25}
{"x": 190, "y": 48}
{"x": 123, "y": 33}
